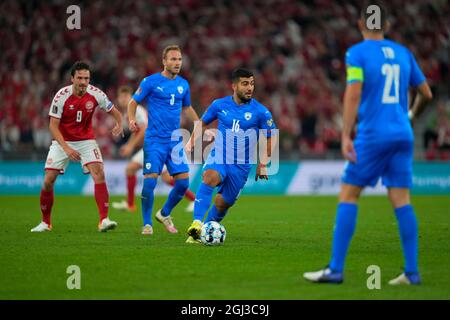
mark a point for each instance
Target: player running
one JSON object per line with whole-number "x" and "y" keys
{"x": 379, "y": 74}
{"x": 71, "y": 114}
{"x": 238, "y": 117}
{"x": 167, "y": 95}
{"x": 136, "y": 163}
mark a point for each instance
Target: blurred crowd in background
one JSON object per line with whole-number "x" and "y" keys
{"x": 295, "y": 48}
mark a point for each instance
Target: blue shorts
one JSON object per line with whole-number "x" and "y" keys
{"x": 232, "y": 180}
{"x": 392, "y": 161}
{"x": 157, "y": 154}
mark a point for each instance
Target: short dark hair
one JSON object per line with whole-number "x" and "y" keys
{"x": 383, "y": 14}
{"x": 240, "y": 73}
{"x": 79, "y": 65}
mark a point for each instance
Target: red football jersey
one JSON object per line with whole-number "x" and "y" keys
{"x": 75, "y": 113}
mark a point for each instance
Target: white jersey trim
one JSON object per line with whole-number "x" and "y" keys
{"x": 102, "y": 100}
{"x": 57, "y": 105}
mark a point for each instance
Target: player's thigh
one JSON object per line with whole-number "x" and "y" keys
{"x": 398, "y": 172}
{"x": 232, "y": 186}
{"x": 138, "y": 158}
{"x": 57, "y": 159}
{"x": 136, "y": 163}
{"x": 90, "y": 154}
{"x": 155, "y": 155}
{"x": 371, "y": 162}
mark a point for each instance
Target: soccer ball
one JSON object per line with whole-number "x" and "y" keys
{"x": 213, "y": 233}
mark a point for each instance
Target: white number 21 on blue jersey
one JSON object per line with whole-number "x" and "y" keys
{"x": 392, "y": 74}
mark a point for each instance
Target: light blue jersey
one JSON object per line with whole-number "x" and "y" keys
{"x": 240, "y": 127}
{"x": 164, "y": 99}
{"x": 387, "y": 70}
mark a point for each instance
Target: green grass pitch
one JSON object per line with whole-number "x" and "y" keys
{"x": 270, "y": 242}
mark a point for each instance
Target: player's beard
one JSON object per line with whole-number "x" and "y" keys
{"x": 243, "y": 98}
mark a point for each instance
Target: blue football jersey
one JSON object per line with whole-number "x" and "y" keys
{"x": 240, "y": 127}
{"x": 164, "y": 99}
{"x": 387, "y": 70}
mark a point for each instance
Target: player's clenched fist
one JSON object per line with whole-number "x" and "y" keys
{"x": 261, "y": 172}
{"x": 348, "y": 150}
{"x": 117, "y": 130}
{"x": 133, "y": 126}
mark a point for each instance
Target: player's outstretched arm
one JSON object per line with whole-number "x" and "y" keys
{"x": 423, "y": 96}
{"x": 118, "y": 128}
{"x": 352, "y": 97}
{"x": 54, "y": 130}
{"x": 132, "y": 106}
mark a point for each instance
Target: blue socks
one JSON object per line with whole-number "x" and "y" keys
{"x": 407, "y": 225}
{"x": 202, "y": 201}
{"x": 175, "y": 196}
{"x": 343, "y": 233}
{"x": 215, "y": 215}
{"x": 147, "y": 199}
{"x": 345, "y": 227}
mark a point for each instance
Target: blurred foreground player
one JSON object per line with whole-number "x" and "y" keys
{"x": 379, "y": 74}
{"x": 71, "y": 114}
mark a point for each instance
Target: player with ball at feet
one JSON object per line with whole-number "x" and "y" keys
{"x": 241, "y": 122}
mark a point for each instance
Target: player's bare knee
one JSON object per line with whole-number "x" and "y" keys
{"x": 399, "y": 197}
{"x": 211, "y": 178}
{"x": 349, "y": 193}
{"x": 98, "y": 176}
{"x": 49, "y": 180}
{"x": 220, "y": 203}
{"x": 48, "y": 184}
{"x": 131, "y": 169}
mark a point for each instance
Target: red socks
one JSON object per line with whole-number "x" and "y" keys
{"x": 102, "y": 198}
{"x": 46, "y": 200}
{"x": 131, "y": 184}
{"x": 189, "y": 195}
